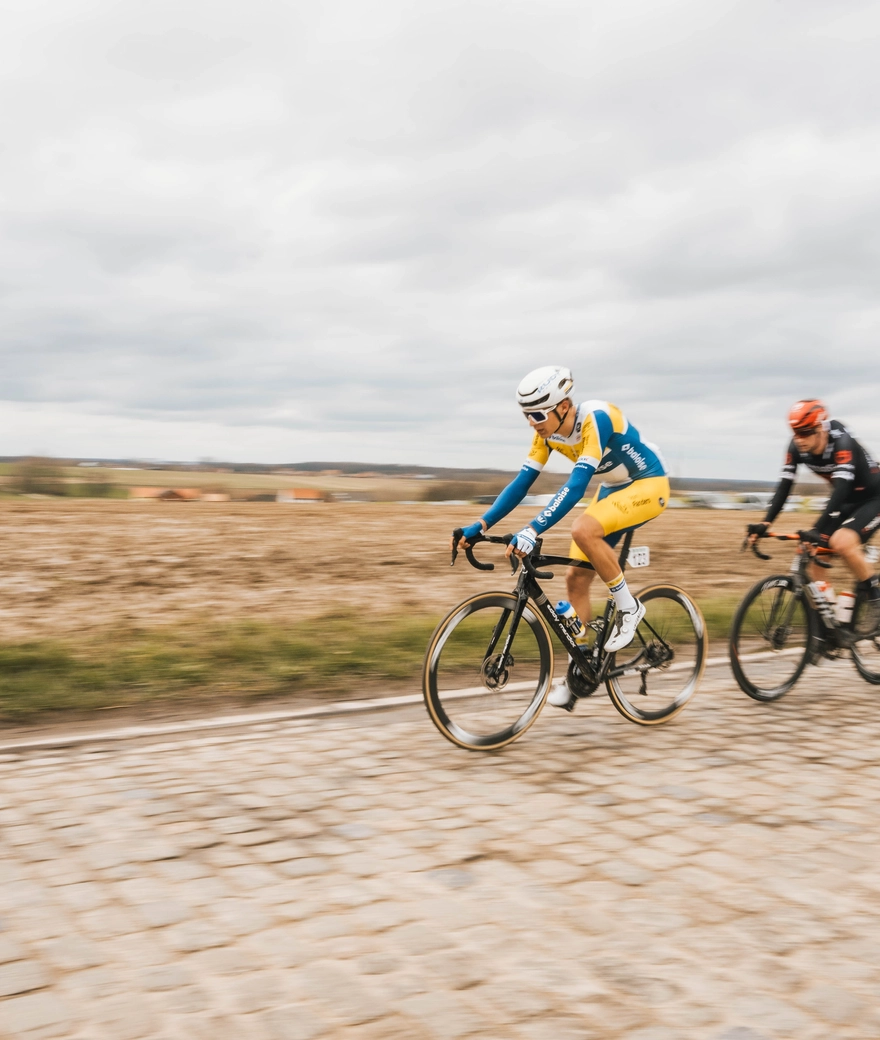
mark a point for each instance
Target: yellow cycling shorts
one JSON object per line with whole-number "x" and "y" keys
{"x": 618, "y": 509}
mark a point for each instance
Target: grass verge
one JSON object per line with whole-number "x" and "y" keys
{"x": 189, "y": 664}
{"x": 127, "y": 667}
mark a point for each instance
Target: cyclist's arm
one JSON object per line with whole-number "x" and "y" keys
{"x": 519, "y": 487}
{"x": 786, "y": 483}
{"x": 511, "y": 496}
{"x": 567, "y": 497}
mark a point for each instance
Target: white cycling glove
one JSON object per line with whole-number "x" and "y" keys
{"x": 524, "y": 542}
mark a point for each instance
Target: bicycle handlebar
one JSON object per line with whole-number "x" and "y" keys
{"x": 505, "y": 539}
{"x": 815, "y": 550}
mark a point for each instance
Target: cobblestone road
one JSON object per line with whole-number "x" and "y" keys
{"x": 716, "y": 878}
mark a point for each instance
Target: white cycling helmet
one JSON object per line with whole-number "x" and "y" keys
{"x": 544, "y": 388}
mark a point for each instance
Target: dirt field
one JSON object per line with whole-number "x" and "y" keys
{"x": 69, "y": 567}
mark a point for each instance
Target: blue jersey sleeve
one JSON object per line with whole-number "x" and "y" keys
{"x": 565, "y": 499}
{"x": 511, "y": 496}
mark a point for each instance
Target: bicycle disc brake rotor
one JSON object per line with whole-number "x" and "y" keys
{"x": 496, "y": 671}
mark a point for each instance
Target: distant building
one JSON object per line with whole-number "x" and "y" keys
{"x": 302, "y": 495}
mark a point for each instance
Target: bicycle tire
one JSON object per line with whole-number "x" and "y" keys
{"x": 767, "y": 660}
{"x": 672, "y": 634}
{"x": 865, "y": 651}
{"x": 467, "y": 704}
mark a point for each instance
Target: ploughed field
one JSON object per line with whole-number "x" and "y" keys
{"x": 72, "y": 568}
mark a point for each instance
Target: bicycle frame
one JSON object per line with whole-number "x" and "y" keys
{"x": 594, "y": 663}
{"x": 826, "y": 626}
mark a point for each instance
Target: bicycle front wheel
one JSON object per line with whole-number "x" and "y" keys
{"x": 483, "y": 688}
{"x": 657, "y": 674}
{"x": 770, "y": 638}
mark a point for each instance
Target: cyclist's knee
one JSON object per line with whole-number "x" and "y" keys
{"x": 587, "y": 528}
{"x": 844, "y": 540}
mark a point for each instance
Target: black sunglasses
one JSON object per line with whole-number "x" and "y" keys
{"x": 808, "y": 432}
{"x": 537, "y": 417}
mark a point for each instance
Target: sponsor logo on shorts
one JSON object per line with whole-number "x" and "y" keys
{"x": 642, "y": 502}
{"x": 872, "y": 524}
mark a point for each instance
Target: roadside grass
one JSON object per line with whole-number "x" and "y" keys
{"x": 201, "y": 663}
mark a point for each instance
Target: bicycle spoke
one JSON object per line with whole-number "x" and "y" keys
{"x": 656, "y": 675}
{"x": 770, "y": 638}
{"x": 487, "y": 671}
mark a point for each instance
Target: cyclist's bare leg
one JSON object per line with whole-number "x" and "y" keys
{"x": 589, "y": 535}
{"x": 848, "y": 546}
{"x": 577, "y": 584}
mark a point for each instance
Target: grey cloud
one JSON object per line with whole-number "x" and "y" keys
{"x": 226, "y": 218}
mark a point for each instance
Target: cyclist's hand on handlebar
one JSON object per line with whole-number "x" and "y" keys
{"x": 814, "y": 538}
{"x": 756, "y": 531}
{"x": 522, "y": 543}
{"x": 469, "y": 535}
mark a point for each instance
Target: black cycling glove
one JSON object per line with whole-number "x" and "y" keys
{"x": 759, "y": 529}
{"x": 814, "y": 537}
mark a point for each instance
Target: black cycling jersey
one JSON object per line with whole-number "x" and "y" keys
{"x": 847, "y": 465}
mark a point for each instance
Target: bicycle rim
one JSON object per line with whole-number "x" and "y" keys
{"x": 770, "y": 638}
{"x": 478, "y": 698}
{"x": 866, "y": 651}
{"x": 665, "y": 660}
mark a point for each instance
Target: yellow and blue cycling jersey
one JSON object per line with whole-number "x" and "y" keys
{"x": 602, "y": 441}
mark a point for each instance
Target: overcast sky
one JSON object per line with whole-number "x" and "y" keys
{"x": 287, "y": 231}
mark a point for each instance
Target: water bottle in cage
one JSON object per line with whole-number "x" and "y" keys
{"x": 568, "y": 615}
{"x": 845, "y": 603}
{"x": 827, "y": 591}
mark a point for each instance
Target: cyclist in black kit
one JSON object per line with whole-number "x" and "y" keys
{"x": 852, "y": 514}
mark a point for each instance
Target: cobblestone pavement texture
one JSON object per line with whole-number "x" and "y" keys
{"x": 715, "y": 878}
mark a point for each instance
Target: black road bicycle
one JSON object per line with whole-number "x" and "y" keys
{"x": 786, "y": 622}
{"x": 489, "y": 663}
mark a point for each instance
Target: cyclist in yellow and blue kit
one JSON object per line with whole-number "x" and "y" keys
{"x": 598, "y": 439}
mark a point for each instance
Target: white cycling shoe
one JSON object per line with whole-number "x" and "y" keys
{"x": 561, "y": 696}
{"x": 624, "y": 628}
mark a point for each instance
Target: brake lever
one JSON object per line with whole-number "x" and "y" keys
{"x": 513, "y": 558}
{"x": 457, "y": 535}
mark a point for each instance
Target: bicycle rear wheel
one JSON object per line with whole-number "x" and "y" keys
{"x": 770, "y": 638}
{"x": 478, "y": 696}
{"x": 866, "y": 649}
{"x": 665, "y": 660}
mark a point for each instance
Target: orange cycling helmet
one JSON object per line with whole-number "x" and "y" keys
{"x": 807, "y": 415}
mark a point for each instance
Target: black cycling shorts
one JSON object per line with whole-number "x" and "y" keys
{"x": 864, "y": 519}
